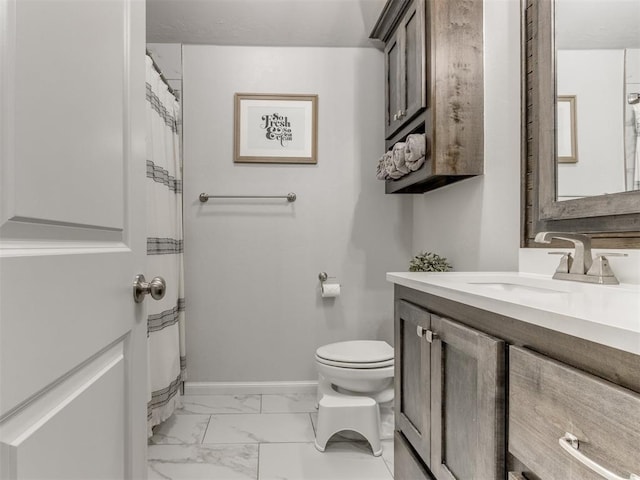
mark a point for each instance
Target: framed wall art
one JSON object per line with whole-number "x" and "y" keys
{"x": 276, "y": 128}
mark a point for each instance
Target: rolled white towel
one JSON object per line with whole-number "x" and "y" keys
{"x": 390, "y": 166}
{"x": 398, "y": 158}
{"x": 413, "y": 166}
{"x": 381, "y": 170}
{"x": 415, "y": 150}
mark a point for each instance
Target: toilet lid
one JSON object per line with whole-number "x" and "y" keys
{"x": 364, "y": 352}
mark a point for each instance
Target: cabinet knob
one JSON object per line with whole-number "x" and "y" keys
{"x": 428, "y": 334}
{"x": 395, "y": 117}
{"x": 431, "y": 336}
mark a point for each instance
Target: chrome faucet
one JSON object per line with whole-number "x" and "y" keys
{"x": 580, "y": 267}
{"x": 582, "y": 260}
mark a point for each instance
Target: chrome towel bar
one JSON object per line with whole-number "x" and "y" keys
{"x": 291, "y": 197}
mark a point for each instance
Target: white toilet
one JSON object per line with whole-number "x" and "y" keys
{"x": 353, "y": 378}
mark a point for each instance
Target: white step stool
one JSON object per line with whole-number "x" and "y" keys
{"x": 338, "y": 412}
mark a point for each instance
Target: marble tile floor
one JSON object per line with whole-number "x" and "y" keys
{"x": 260, "y": 437}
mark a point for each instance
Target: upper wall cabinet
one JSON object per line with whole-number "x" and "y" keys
{"x": 434, "y": 85}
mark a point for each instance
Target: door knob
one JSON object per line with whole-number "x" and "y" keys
{"x": 156, "y": 287}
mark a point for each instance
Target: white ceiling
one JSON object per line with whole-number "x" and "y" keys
{"x": 323, "y": 23}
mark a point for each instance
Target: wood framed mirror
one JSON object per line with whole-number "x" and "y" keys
{"x": 558, "y": 42}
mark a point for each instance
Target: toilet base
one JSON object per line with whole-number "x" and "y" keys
{"x": 337, "y": 412}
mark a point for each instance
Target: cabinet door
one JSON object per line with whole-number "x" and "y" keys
{"x": 414, "y": 59}
{"x": 405, "y": 64}
{"x": 412, "y": 365}
{"x": 393, "y": 83}
{"x": 467, "y": 403}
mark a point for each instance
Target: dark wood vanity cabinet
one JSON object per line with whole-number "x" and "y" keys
{"x": 467, "y": 379}
{"x": 434, "y": 85}
{"x": 449, "y": 395}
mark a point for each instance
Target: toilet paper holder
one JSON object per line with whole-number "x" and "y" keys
{"x": 328, "y": 290}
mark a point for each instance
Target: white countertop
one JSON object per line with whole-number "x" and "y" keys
{"x": 605, "y": 314}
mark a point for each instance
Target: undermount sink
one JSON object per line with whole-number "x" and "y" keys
{"x": 515, "y": 287}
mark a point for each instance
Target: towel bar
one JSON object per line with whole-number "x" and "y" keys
{"x": 291, "y": 197}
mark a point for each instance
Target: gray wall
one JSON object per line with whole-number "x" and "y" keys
{"x": 252, "y": 289}
{"x": 599, "y": 121}
{"x": 475, "y": 223}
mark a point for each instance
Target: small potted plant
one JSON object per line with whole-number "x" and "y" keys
{"x": 429, "y": 262}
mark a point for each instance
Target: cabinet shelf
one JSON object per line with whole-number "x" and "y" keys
{"x": 424, "y": 179}
{"x": 421, "y": 181}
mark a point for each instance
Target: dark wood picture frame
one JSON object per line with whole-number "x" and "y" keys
{"x": 567, "y": 130}
{"x": 613, "y": 220}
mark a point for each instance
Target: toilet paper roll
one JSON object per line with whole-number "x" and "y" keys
{"x": 330, "y": 290}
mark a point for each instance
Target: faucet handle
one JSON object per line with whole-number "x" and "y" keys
{"x": 565, "y": 262}
{"x": 601, "y": 267}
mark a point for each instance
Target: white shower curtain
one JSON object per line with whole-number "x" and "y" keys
{"x": 165, "y": 322}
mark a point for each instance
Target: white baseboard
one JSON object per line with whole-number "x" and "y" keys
{"x": 250, "y": 388}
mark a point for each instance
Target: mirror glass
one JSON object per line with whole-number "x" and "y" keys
{"x": 597, "y": 53}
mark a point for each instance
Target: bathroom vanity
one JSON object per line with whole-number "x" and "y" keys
{"x": 508, "y": 375}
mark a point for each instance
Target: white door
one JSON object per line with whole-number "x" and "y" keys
{"x": 72, "y": 340}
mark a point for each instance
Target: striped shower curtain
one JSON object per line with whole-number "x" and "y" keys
{"x": 165, "y": 322}
{"x": 636, "y": 163}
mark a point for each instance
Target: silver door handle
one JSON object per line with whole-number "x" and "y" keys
{"x": 157, "y": 287}
{"x": 570, "y": 444}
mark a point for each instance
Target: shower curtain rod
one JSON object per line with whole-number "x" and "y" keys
{"x": 157, "y": 69}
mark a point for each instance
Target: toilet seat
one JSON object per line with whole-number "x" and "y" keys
{"x": 334, "y": 363}
{"x": 356, "y": 354}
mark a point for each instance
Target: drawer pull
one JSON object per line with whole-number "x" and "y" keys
{"x": 570, "y": 444}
